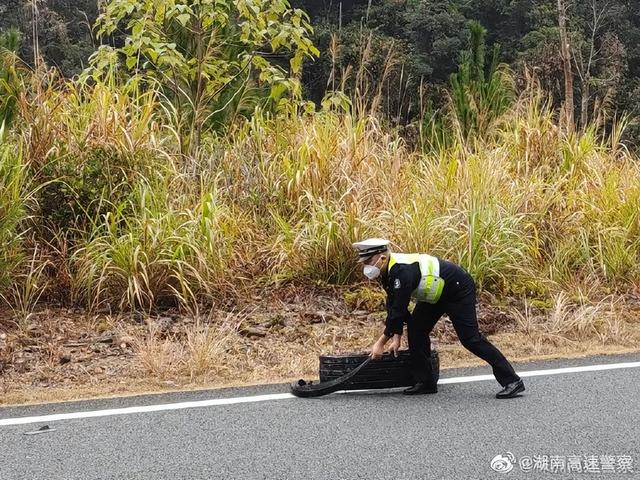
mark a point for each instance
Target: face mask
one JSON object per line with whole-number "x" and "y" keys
{"x": 371, "y": 272}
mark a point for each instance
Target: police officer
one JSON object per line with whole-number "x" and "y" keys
{"x": 439, "y": 287}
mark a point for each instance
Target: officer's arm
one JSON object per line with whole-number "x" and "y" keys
{"x": 401, "y": 286}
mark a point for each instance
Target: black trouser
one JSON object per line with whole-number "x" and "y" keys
{"x": 460, "y": 305}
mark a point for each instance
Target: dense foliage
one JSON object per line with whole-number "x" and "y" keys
{"x": 184, "y": 163}
{"x": 409, "y": 48}
{"x": 424, "y": 39}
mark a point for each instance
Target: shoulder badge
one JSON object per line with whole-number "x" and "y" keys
{"x": 396, "y": 284}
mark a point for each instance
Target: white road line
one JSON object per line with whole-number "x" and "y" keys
{"x": 282, "y": 396}
{"x": 551, "y": 371}
{"x": 144, "y": 409}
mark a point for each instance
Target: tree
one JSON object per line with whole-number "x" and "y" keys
{"x": 599, "y": 58}
{"x": 62, "y": 29}
{"x": 479, "y": 92}
{"x": 565, "y": 55}
{"x": 595, "y": 36}
{"x": 206, "y": 53}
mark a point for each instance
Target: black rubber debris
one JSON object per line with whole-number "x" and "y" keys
{"x": 359, "y": 372}
{"x": 389, "y": 372}
{"x": 310, "y": 389}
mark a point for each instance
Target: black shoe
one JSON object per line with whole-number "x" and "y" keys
{"x": 511, "y": 390}
{"x": 421, "y": 389}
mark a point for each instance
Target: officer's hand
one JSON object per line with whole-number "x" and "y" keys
{"x": 395, "y": 344}
{"x": 376, "y": 351}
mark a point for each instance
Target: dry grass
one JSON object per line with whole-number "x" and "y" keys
{"x": 208, "y": 350}
{"x": 159, "y": 357}
{"x": 452, "y": 356}
{"x": 215, "y": 351}
{"x": 575, "y": 322}
{"x": 29, "y": 284}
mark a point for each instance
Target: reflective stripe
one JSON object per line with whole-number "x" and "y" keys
{"x": 439, "y": 289}
{"x": 431, "y": 285}
{"x": 426, "y": 267}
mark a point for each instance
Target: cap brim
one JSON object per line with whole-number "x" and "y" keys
{"x": 364, "y": 259}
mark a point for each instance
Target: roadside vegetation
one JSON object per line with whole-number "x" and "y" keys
{"x": 174, "y": 176}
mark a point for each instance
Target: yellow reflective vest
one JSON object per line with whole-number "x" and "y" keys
{"x": 431, "y": 284}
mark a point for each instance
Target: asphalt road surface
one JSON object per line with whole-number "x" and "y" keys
{"x": 574, "y": 423}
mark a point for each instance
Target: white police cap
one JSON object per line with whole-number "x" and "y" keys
{"x": 369, "y": 247}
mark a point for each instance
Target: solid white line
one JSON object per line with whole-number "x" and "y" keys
{"x": 282, "y": 396}
{"x": 141, "y": 409}
{"x": 551, "y": 371}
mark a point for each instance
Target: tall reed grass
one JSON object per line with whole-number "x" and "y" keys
{"x": 14, "y": 201}
{"x": 526, "y": 209}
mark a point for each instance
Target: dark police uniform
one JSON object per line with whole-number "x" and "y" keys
{"x": 449, "y": 289}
